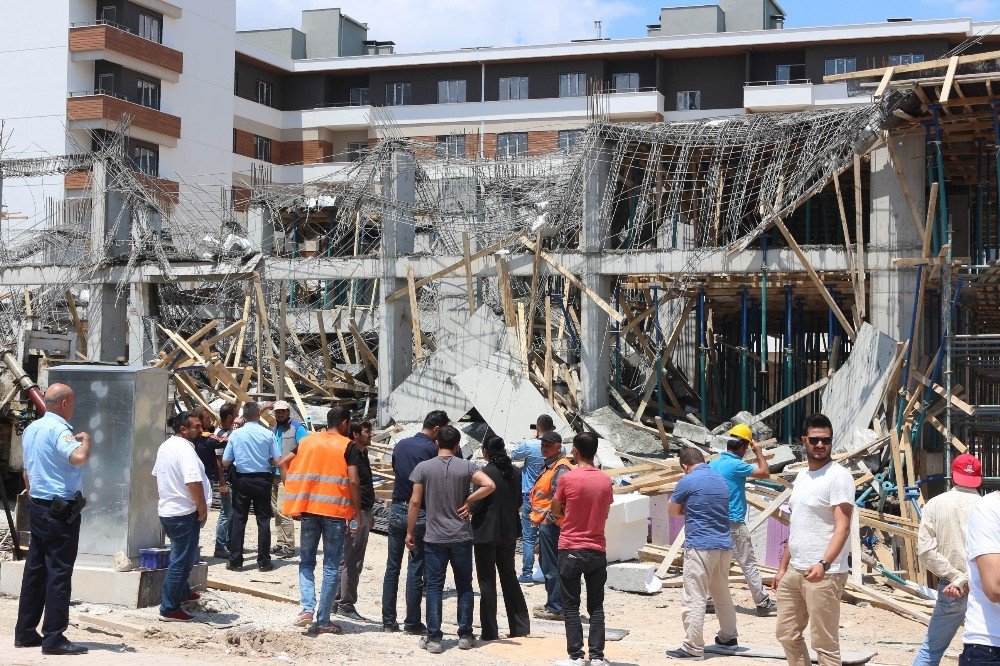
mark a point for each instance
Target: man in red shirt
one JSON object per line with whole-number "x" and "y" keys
{"x": 583, "y": 498}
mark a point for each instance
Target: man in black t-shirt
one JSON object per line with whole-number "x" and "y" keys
{"x": 356, "y": 542}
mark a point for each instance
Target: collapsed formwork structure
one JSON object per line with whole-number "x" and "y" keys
{"x": 684, "y": 275}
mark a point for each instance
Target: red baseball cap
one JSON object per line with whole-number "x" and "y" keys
{"x": 966, "y": 470}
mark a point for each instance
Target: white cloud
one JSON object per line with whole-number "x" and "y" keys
{"x": 433, "y": 25}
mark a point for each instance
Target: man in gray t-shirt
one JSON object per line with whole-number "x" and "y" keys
{"x": 442, "y": 485}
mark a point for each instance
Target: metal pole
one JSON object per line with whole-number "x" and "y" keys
{"x": 978, "y": 255}
{"x": 659, "y": 357}
{"x": 702, "y": 360}
{"x": 744, "y": 342}
{"x": 788, "y": 361}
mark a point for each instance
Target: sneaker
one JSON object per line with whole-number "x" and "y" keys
{"x": 434, "y": 647}
{"x": 769, "y": 608}
{"x": 390, "y": 628}
{"x": 416, "y": 629}
{"x": 731, "y": 643}
{"x": 195, "y": 596}
{"x": 303, "y": 619}
{"x": 600, "y": 662}
{"x": 569, "y": 662}
{"x": 328, "y": 628}
{"x": 221, "y": 554}
{"x": 545, "y": 614}
{"x": 265, "y": 566}
{"x": 284, "y": 552}
{"x": 681, "y": 653}
{"x": 710, "y": 609}
{"x": 234, "y": 566}
{"x": 275, "y": 550}
{"x": 177, "y": 616}
{"x": 351, "y": 613}
{"x": 466, "y": 643}
{"x": 525, "y": 579}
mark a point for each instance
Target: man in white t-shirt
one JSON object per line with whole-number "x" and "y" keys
{"x": 183, "y": 489}
{"x": 813, "y": 570}
{"x": 982, "y": 619}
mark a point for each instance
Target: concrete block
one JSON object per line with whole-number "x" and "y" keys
{"x": 628, "y": 526}
{"x": 607, "y": 423}
{"x": 692, "y": 432}
{"x": 98, "y": 585}
{"x": 639, "y": 578}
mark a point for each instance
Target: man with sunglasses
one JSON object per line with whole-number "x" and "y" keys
{"x": 813, "y": 571}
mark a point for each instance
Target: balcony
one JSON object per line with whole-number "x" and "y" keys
{"x": 166, "y": 190}
{"x": 797, "y": 95}
{"x": 104, "y": 41}
{"x": 320, "y": 172}
{"x": 98, "y": 110}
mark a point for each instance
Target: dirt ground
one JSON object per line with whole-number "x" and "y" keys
{"x": 239, "y": 628}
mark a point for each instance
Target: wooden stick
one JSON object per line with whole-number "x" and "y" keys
{"x": 665, "y": 355}
{"x": 958, "y": 402}
{"x": 601, "y": 303}
{"x": 533, "y": 293}
{"x": 548, "y": 350}
{"x": 506, "y": 297}
{"x": 327, "y": 365}
{"x": 77, "y": 324}
{"x": 884, "y": 83}
{"x": 773, "y": 506}
{"x": 469, "y": 282}
{"x": 237, "y": 354}
{"x": 859, "y": 238}
{"x": 847, "y": 236}
{"x": 415, "y": 317}
{"x": 668, "y": 561}
{"x": 949, "y": 78}
{"x": 279, "y": 380}
{"x": 798, "y": 395}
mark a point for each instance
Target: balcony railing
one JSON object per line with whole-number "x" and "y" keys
{"x": 93, "y": 38}
{"x": 101, "y": 106}
{"x": 112, "y": 24}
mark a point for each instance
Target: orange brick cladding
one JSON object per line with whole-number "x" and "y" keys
{"x": 168, "y": 190}
{"x": 103, "y": 107}
{"x": 286, "y": 152}
{"x": 107, "y": 38}
{"x": 241, "y": 198}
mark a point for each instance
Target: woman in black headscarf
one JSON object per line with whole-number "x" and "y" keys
{"x": 496, "y": 526}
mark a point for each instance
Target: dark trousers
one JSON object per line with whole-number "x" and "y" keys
{"x": 183, "y": 534}
{"x": 353, "y": 562}
{"x": 592, "y": 566}
{"x": 548, "y": 559}
{"x": 48, "y": 574}
{"x": 979, "y": 655}
{"x": 494, "y": 559}
{"x": 437, "y": 557}
{"x": 250, "y": 491}
{"x": 394, "y": 564}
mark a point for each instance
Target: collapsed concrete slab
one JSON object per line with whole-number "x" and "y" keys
{"x": 430, "y": 387}
{"x": 607, "y": 423}
{"x": 637, "y": 577}
{"x": 505, "y": 398}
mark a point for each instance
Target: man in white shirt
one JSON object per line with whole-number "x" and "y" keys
{"x": 941, "y": 548}
{"x": 982, "y": 620}
{"x": 183, "y": 489}
{"x": 813, "y": 570}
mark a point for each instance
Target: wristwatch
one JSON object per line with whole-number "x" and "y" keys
{"x": 826, "y": 565}
{"x": 353, "y": 524}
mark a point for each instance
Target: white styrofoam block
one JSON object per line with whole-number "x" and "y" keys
{"x": 628, "y": 527}
{"x": 629, "y": 507}
{"x": 638, "y": 577}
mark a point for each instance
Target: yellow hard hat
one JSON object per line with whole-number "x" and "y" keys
{"x": 742, "y": 431}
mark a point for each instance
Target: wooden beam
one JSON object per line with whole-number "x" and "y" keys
{"x": 859, "y": 238}
{"x": 949, "y": 79}
{"x": 470, "y": 285}
{"x": 884, "y": 83}
{"x": 955, "y": 400}
{"x": 327, "y": 365}
{"x": 668, "y": 349}
{"x": 415, "y": 317}
{"x": 81, "y": 337}
{"x": 798, "y": 395}
{"x": 878, "y": 72}
{"x": 847, "y": 236}
{"x": 601, "y": 303}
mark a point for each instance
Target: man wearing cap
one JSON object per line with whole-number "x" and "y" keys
{"x": 287, "y": 433}
{"x": 530, "y": 451}
{"x": 731, "y": 466}
{"x": 941, "y": 549}
{"x": 549, "y": 526}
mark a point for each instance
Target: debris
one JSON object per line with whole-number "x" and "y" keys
{"x": 634, "y": 577}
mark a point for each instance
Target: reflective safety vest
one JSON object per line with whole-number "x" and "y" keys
{"x": 317, "y": 481}
{"x": 542, "y": 494}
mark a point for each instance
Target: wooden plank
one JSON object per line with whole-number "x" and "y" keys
{"x": 955, "y": 441}
{"x": 469, "y": 280}
{"x": 665, "y": 356}
{"x": 932, "y": 201}
{"x": 913, "y": 67}
{"x": 662, "y": 432}
{"x": 418, "y": 345}
{"x": 601, "y": 303}
{"x": 81, "y": 337}
{"x": 847, "y": 235}
{"x": 235, "y": 354}
{"x": 668, "y": 561}
{"x": 889, "y": 603}
{"x": 298, "y": 402}
{"x": 955, "y": 400}
{"x": 773, "y": 506}
{"x": 370, "y": 361}
{"x": 823, "y": 291}
{"x": 859, "y": 238}
{"x": 506, "y": 297}
{"x": 798, "y": 395}
{"x": 533, "y": 292}
{"x": 884, "y": 83}
{"x": 327, "y": 365}
{"x": 225, "y": 333}
{"x": 949, "y": 79}
{"x": 278, "y": 381}
{"x": 199, "y": 334}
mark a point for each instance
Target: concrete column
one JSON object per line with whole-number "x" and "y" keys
{"x": 260, "y": 229}
{"x": 141, "y": 346}
{"x": 459, "y": 195}
{"x": 107, "y": 324}
{"x": 891, "y": 291}
{"x": 395, "y": 336}
{"x": 106, "y": 314}
{"x": 595, "y": 341}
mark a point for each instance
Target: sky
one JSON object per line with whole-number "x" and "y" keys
{"x": 434, "y": 25}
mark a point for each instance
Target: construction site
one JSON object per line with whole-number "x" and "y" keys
{"x": 655, "y": 283}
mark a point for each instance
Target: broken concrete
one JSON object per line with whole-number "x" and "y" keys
{"x": 637, "y": 577}
{"x": 607, "y": 423}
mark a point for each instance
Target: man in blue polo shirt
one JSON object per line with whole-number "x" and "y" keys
{"x": 254, "y": 452}
{"x": 530, "y": 451}
{"x": 731, "y": 466}
{"x": 702, "y": 497}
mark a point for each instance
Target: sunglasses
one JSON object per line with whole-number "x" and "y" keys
{"x": 825, "y": 441}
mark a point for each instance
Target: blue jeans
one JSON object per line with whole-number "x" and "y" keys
{"x": 183, "y": 533}
{"x": 548, "y": 551}
{"x": 437, "y": 556}
{"x": 394, "y": 564}
{"x": 979, "y": 655}
{"x": 529, "y": 538}
{"x": 222, "y": 527}
{"x": 332, "y": 532}
{"x": 947, "y": 617}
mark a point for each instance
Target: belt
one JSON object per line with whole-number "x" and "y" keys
{"x": 48, "y": 502}
{"x": 254, "y": 475}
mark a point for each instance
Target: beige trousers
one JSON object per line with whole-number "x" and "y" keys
{"x": 816, "y": 604}
{"x": 706, "y": 572}
{"x": 284, "y": 526}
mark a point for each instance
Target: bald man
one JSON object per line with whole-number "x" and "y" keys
{"x": 53, "y": 458}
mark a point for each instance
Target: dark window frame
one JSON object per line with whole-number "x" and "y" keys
{"x": 355, "y": 150}
{"x": 627, "y": 88}
{"x": 261, "y": 148}
{"x": 451, "y": 145}
{"x": 264, "y": 93}
{"x": 153, "y": 20}
{"x": 573, "y": 86}
{"x": 566, "y": 139}
{"x": 454, "y": 91}
{"x": 142, "y": 86}
{"x": 504, "y": 144}
{"x": 146, "y": 159}
{"x": 405, "y": 90}
{"x": 688, "y": 106}
{"x": 359, "y": 96}
{"x": 506, "y": 87}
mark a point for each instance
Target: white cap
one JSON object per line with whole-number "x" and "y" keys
{"x": 281, "y": 404}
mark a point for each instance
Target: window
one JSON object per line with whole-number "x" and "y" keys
{"x": 625, "y": 82}
{"x": 359, "y": 96}
{"x": 397, "y": 94}
{"x": 148, "y": 94}
{"x": 905, "y": 59}
{"x": 149, "y": 27}
{"x": 513, "y": 87}
{"x": 512, "y": 144}
{"x": 109, "y": 14}
{"x": 264, "y": 92}
{"x": 783, "y": 74}
{"x": 573, "y": 85}
{"x": 262, "y": 148}
{"x": 688, "y": 100}
{"x": 452, "y": 145}
{"x": 106, "y": 84}
{"x": 147, "y": 160}
{"x": 569, "y": 138}
{"x": 451, "y": 92}
{"x": 840, "y": 66}
{"x": 356, "y": 149}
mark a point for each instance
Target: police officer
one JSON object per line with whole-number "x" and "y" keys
{"x": 53, "y": 456}
{"x": 253, "y": 451}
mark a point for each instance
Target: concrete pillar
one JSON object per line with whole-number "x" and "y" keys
{"x": 106, "y": 314}
{"x": 459, "y": 196}
{"x": 260, "y": 228}
{"x": 595, "y": 340}
{"x": 891, "y": 290}
{"x": 395, "y": 336}
{"x": 107, "y": 324}
{"x": 141, "y": 345}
